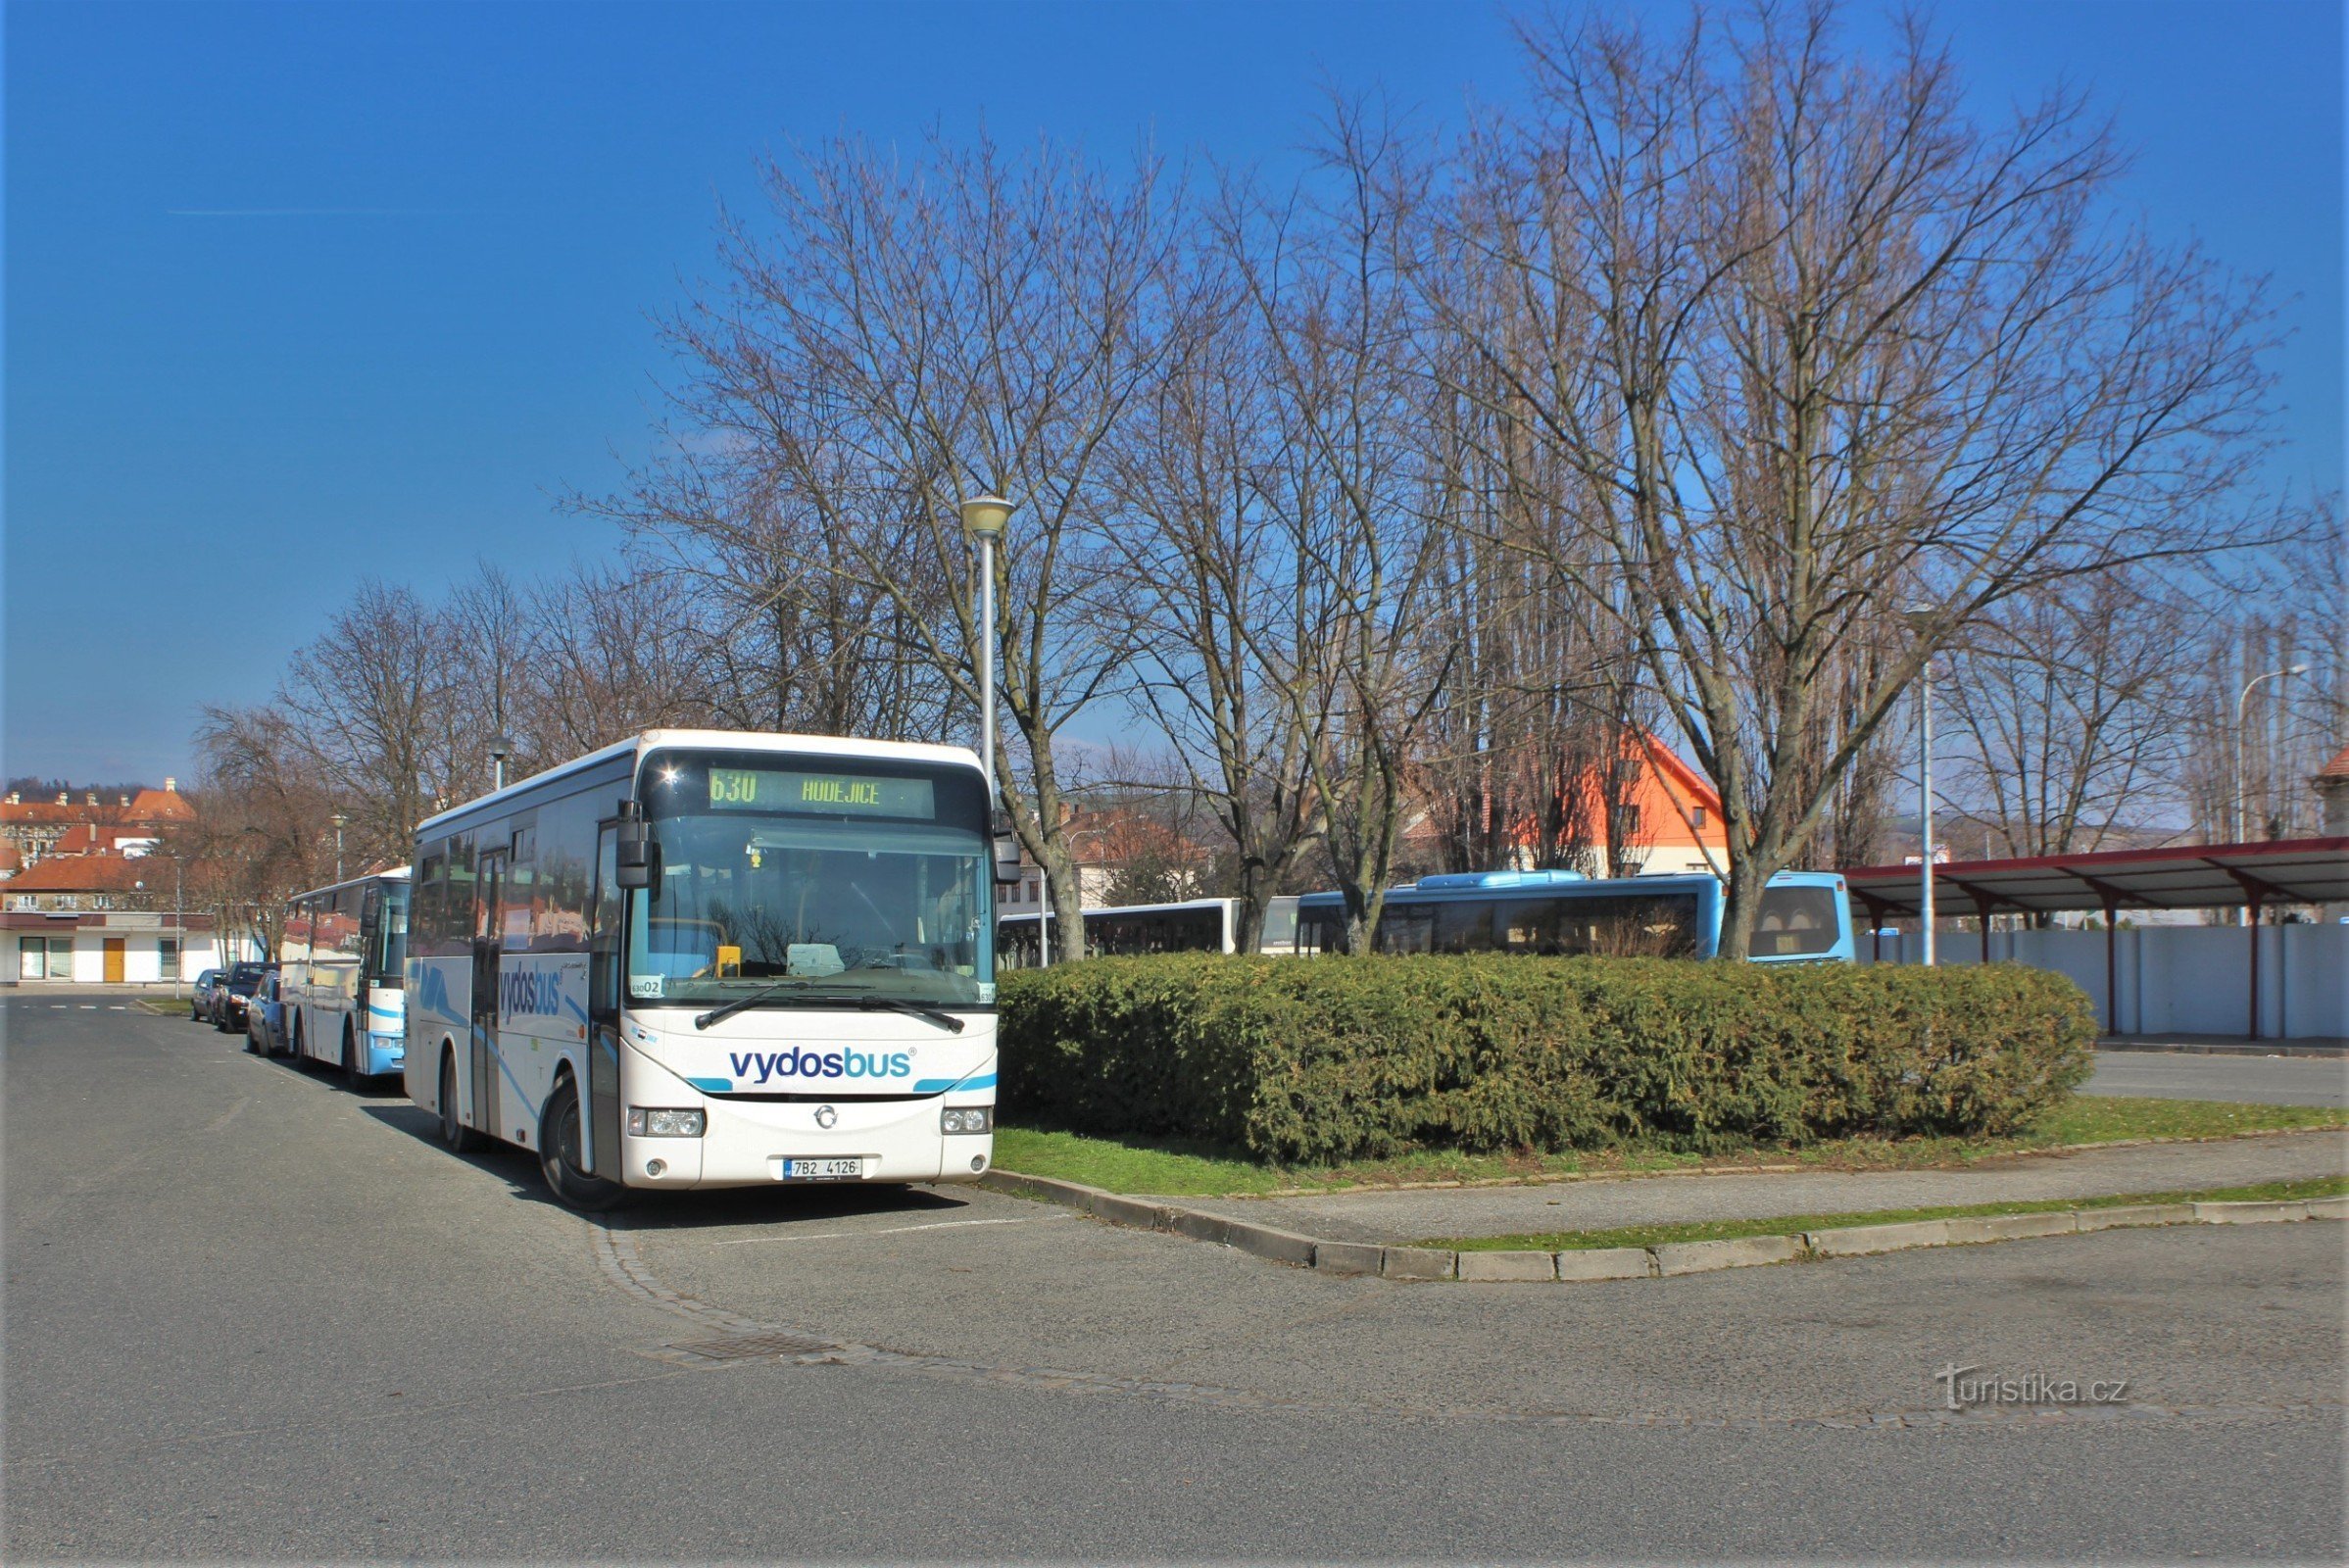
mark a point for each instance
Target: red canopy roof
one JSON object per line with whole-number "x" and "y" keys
{"x": 2195, "y": 876}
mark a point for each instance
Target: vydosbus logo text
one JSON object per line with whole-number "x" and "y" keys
{"x": 821, "y": 1064}
{"x": 527, "y": 992}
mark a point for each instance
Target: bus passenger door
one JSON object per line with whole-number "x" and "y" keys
{"x": 489, "y": 893}
{"x": 602, "y": 1119}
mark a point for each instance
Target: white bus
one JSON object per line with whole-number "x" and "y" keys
{"x": 1118, "y": 931}
{"x": 341, "y": 972}
{"x": 701, "y": 958}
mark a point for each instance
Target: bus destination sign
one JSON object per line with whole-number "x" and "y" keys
{"x": 745, "y": 789}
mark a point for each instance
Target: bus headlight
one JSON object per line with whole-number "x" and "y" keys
{"x": 646, "y": 1122}
{"x": 970, "y": 1119}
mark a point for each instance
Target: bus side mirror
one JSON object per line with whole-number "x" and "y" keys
{"x": 636, "y": 857}
{"x": 1007, "y": 867}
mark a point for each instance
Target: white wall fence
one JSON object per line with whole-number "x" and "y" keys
{"x": 2173, "y": 979}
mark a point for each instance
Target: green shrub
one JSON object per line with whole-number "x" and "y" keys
{"x": 1317, "y": 1060}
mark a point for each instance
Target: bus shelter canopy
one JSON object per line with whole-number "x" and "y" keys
{"x": 2199, "y": 876}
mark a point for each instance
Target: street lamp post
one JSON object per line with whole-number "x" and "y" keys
{"x": 500, "y": 747}
{"x": 2237, "y": 792}
{"x": 1920, "y": 618}
{"x": 983, "y": 518}
{"x": 339, "y": 820}
{"x": 179, "y": 930}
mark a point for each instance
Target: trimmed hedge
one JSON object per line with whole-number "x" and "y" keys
{"x": 1306, "y": 1060}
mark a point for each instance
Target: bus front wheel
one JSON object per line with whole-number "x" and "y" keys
{"x": 353, "y": 1078}
{"x": 461, "y": 1139}
{"x": 558, "y": 1155}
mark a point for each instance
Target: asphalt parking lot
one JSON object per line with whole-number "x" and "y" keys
{"x": 254, "y": 1316}
{"x": 2251, "y": 1080}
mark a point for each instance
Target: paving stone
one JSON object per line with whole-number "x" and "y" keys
{"x": 2011, "y": 1227}
{"x": 1198, "y": 1225}
{"x": 2249, "y": 1213}
{"x": 1417, "y": 1264}
{"x": 1852, "y": 1239}
{"x": 1120, "y": 1210}
{"x": 1696, "y": 1258}
{"x": 1512, "y": 1266}
{"x": 1282, "y": 1247}
{"x": 1606, "y": 1263}
{"x": 1348, "y": 1257}
{"x": 2120, "y": 1215}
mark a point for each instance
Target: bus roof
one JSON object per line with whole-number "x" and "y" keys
{"x": 397, "y": 873}
{"x": 652, "y": 740}
{"x": 1497, "y": 883}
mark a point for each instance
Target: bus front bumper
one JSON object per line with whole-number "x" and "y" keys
{"x": 385, "y": 1054}
{"x": 759, "y": 1143}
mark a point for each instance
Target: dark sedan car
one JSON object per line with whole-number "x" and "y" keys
{"x": 198, "y": 1001}
{"x": 264, "y": 1018}
{"x": 229, "y": 996}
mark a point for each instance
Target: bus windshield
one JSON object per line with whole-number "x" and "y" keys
{"x": 753, "y": 888}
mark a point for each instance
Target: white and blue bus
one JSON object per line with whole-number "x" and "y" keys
{"x": 1118, "y": 931}
{"x": 341, "y": 966}
{"x": 701, "y": 959}
{"x": 1804, "y": 916}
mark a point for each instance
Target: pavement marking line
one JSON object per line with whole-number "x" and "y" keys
{"x": 893, "y": 1230}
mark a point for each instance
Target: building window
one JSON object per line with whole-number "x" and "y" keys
{"x": 1696, "y": 816}
{"x": 167, "y": 958}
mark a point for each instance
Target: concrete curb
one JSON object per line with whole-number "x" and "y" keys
{"x": 1372, "y": 1260}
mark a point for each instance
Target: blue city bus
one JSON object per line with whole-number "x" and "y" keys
{"x": 1804, "y": 917}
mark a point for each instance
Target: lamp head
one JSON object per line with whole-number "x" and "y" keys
{"x": 984, "y": 516}
{"x": 500, "y": 747}
{"x": 2297, "y": 670}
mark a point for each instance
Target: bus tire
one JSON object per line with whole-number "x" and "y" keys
{"x": 558, "y": 1155}
{"x": 353, "y": 1078}
{"x": 459, "y": 1138}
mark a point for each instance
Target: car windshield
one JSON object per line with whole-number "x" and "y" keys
{"x": 765, "y": 885}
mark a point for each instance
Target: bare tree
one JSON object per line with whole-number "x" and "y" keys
{"x": 616, "y": 656}
{"x": 1817, "y": 348}
{"x": 263, "y": 831}
{"x": 1212, "y": 594}
{"x": 1353, "y": 495}
{"x": 371, "y": 707}
{"x": 2068, "y": 698}
{"x": 904, "y": 337}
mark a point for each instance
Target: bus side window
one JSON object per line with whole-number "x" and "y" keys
{"x": 425, "y": 911}
{"x": 1406, "y": 928}
{"x": 1465, "y": 926}
{"x": 603, "y": 926}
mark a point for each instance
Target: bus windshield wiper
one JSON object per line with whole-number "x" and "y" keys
{"x": 866, "y": 1001}
{"x": 714, "y": 1014}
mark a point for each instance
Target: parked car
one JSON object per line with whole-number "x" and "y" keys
{"x": 265, "y": 1016}
{"x": 229, "y": 996}
{"x": 200, "y": 999}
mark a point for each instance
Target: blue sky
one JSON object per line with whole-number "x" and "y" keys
{"x": 296, "y": 293}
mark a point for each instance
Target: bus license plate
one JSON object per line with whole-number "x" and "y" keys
{"x": 819, "y": 1170}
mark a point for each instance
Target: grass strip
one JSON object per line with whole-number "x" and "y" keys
{"x": 1180, "y": 1168}
{"x": 1788, "y": 1224}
